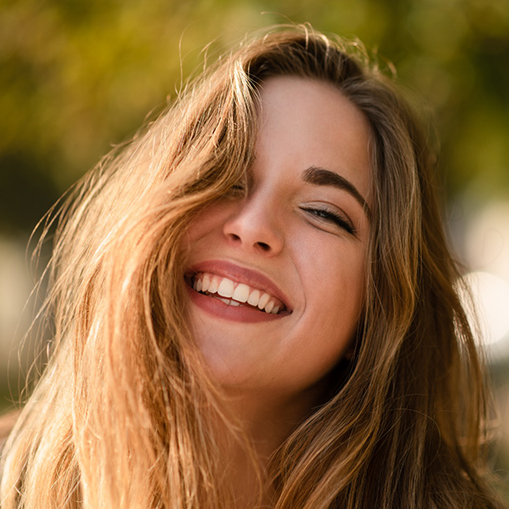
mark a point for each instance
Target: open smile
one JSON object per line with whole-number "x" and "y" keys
{"x": 234, "y": 297}
{"x": 236, "y": 294}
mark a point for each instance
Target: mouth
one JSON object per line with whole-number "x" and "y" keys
{"x": 235, "y": 294}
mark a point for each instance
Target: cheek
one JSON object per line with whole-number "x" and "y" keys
{"x": 204, "y": 223}
{"x": 335, "y": 290}
{"x": 335, "y": 276}
{"x": 346, "y": 291}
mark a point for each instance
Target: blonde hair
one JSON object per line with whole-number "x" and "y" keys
{"x": 124, "y": 414}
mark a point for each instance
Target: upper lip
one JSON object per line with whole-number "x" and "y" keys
{"x": 240, "y": 274}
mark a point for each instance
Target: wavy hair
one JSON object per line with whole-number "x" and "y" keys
{"x": 124, "y": 413}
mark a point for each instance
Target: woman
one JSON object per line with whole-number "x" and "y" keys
{"x": 255, "y": 306}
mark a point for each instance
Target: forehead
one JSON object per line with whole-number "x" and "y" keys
{"x": 306, "y": 122}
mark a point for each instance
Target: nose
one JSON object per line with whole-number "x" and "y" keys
{"x": 254, "y": 225}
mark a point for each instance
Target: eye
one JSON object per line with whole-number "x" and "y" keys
{"x": 237, "y": 190}
{"x": 332, "y": 217}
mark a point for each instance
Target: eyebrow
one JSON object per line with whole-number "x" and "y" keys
{"x": 322, "y": 177}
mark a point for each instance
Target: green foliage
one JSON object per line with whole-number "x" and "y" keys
{"x": 80, "y": 75}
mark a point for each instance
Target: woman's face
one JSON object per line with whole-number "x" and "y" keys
{"x": 295, "y": 246}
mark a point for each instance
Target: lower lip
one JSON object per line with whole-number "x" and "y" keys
{"x": 240, "y": 313}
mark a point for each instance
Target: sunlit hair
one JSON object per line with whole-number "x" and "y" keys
{"x": 124, "y": 414}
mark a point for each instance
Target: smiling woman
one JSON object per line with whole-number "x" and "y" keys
{"x": 295, "y": 241}
{"x": 255, "y": 306}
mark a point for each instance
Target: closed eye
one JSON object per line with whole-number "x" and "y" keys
{"x": 237, "y": 191}
{"x": 332, "y": 217}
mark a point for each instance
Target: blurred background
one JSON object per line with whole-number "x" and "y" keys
{"x": 78, "y": 76}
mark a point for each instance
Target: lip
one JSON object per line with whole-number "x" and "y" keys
{"x": 238, "y": 274}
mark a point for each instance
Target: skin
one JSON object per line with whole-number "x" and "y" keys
{"x": 283, "y": 231}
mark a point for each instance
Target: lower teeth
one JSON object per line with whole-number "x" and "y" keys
{"x": 230, "y": 302}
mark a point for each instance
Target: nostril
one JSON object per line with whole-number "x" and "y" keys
{"x": 265, "y": 247}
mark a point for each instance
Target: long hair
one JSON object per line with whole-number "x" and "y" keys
{"x": 125, "y": 413}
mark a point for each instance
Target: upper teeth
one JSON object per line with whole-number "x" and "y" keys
{"x": 237, "y": 292}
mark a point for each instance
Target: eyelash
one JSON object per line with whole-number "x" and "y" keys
{"x": 338, "y": 220}
{"x": 237, "y": 191}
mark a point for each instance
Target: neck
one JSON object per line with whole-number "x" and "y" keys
{"x": 268, "y": 421}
